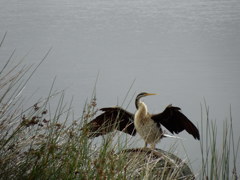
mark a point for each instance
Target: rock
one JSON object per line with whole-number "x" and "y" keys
{"x": 144, "y": 163}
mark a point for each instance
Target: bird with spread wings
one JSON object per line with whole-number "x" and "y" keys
{"x": 148, "y": 126}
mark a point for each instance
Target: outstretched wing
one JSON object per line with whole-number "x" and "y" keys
{"x": 113, "y": 118}
{"x": 175, "y": 121}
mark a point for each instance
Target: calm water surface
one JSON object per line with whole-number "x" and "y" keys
{"x": 184, "y": 50}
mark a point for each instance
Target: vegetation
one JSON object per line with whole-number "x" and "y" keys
{"x": 46, "y": 142}
{"x": 218, "y": 162}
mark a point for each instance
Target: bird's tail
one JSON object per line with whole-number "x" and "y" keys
{"x": 170, "y": 136}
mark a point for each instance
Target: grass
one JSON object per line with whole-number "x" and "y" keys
{"x": 219, "y": 159}
{"x": 45, "y": 141}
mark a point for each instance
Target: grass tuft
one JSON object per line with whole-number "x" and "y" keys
{"x": 219, "y": 159}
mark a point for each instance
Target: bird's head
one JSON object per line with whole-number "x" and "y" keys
{"x": 143, "y": 94}
{"x": 139, "y": 96}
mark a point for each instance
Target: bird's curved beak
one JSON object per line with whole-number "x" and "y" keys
{"x": 149, "y": 94}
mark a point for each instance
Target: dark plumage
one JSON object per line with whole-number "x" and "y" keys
{"x": 113, "y": 118}
{"x": 175, "y": 121}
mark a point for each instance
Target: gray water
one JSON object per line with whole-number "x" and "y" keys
{"x": 184, "y": 50}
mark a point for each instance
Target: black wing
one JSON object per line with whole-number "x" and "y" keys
{"x": 113, "y": 118}
{"x": 175, "y": 121}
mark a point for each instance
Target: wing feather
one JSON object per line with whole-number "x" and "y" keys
{"x": 112, "y": 118}
{"x": 175, "y": 121}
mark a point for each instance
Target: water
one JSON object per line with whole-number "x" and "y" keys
{"x": 184, "y": 50}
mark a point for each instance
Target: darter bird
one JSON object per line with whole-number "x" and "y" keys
{"x": 148, "y": 126}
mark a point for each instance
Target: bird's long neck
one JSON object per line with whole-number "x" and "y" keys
{"x": 141, "y": 106}
{"x": 137, "y": 101}
{"x": 141, "y": 112}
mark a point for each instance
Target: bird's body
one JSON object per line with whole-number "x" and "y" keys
{"x": 149, "y": 130}
{"x": 147, "y": 125}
